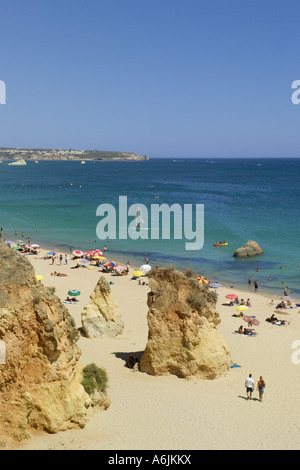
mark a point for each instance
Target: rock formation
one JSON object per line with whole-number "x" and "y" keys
{"x": 183, "y": 339}
{"x": 102, "y": 316}
{"x": 251, "y": 248}
{"x": 40, "y": 381}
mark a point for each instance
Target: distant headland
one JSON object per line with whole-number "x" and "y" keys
{"x": 37, "y": 154}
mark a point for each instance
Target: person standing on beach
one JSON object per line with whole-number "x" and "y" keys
{"x": 66, "y": 259}
{"x": 249, "y": 384}
{"x": 261, "y": 387}
{"x": 60, "y": 258}
{"x": 255, "y": 285}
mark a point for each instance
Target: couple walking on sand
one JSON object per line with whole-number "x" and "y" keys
{"x": 249, "y": 384}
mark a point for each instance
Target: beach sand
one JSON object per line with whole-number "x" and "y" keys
{"x": 169, "y": 413}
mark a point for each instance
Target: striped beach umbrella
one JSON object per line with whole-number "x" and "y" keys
{"x": 202, "y": 280}
{"x": 97, "y": 253}
{"x": 78, "y": 253}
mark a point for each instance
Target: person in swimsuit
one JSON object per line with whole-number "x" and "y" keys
{"x": 261, "y": 388}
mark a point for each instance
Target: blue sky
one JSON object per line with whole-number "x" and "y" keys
{"x": 166, "y": 78}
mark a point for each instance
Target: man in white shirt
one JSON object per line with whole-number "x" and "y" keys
{"x": 249, "y": 384}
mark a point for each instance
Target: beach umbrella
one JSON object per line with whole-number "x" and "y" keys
{"x": 215, "y": 284}
{"x": 39, "y": 277}
{"x": 84, "y": 260}
{"x": 102, "y": 258}
{"x": 51, "y": 253}
{"x": 202, "y": 280}
{"x": 246, "y": 318}
{"x": 120, "y": 268}
{"x": 73, "y": 292}
{"x": 89, "y": 253}
{"x": 240, "y": 308}
{"x": 231, "y": 296}
{"x": 97, "y": 253}
{"x": 281, "y": 311}
{"x": 78, "y": 253}
{"x": 255, "y": 322}
{"x": 111, "y": 263}
{"x": 15, "y": 248}
{"x": 138, "y": 273}
{"x": 145, "y": 268}
{"x": 35, "y": 246}
{"x": 8, "y": 242}
{"x": 286, "y": 297}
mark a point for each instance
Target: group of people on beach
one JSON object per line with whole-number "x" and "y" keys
{"x": 250, "y": 386}
{"x": 255, "y": 283}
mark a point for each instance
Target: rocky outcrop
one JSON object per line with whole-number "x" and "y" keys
{"x": 20, "y": 162}
{"x": 251, "y": 248}
{"x": 183, "y": 338}
{"x": 102, "y": 316}
{"x": 40, "y": 381}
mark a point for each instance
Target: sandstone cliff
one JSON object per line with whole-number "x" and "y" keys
{"x": 183, "y": 339}
{"x": 40, "y": 382}
{"x": 102, "y": 316}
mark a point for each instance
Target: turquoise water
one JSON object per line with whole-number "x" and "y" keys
{"x": 55, "y": 204}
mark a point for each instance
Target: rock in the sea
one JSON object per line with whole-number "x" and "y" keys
{"x": 251, "y": 248}
{"x": 183, "y": 338}
{"x": 102, "y": 316}
{"x": 40, "y": 381}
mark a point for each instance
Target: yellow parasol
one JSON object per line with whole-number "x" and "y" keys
{"x": 239, "y": 308}
{"x": 39, "y": 277}
{"x": 138, "y": 273}
{"x": 202, "y": 280}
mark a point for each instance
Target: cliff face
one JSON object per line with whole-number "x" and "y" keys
{"x": 183, "y": 339}
{"x": 40, "y": 382}
{"x": 102, "y": 316}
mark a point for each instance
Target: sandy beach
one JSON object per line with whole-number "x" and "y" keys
{"x": 164, "y": 413}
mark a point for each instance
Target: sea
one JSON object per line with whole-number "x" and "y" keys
{"x": 56, "y": 204}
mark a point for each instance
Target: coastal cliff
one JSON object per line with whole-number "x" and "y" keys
{"x": 70, "y": 154}
{"x": 40, "y": 379}
{"x": 182, "y": 329}
{"x": 102, "y": 316}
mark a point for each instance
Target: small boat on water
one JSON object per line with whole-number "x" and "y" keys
{"x": 220, "y": 244}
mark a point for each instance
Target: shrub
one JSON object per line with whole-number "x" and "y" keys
{"x": 74, "y": 335}
{"x": 94, "y": 379}
{"x": 189, "y": 272}
{"x": 196, "y": 300}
